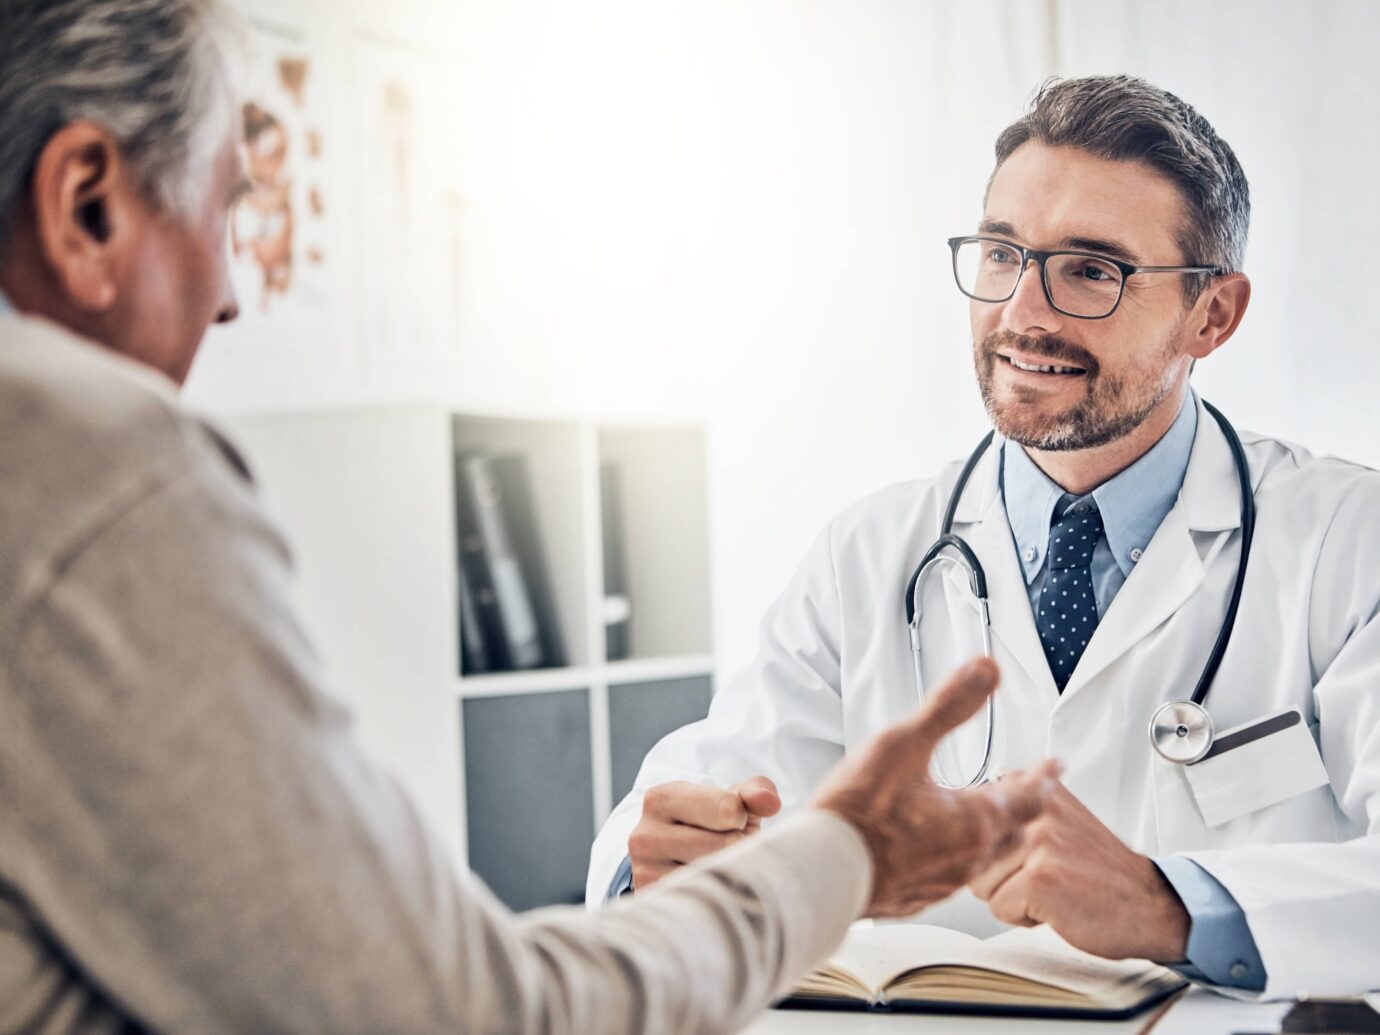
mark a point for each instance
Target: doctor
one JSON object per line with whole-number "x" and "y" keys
{"x": 1258, "y": 869}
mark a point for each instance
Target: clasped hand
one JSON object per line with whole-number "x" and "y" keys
{"x": 1071, "y": 872}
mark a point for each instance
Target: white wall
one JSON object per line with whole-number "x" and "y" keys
{"x": 1291, "y": 87}
{"x": 735, "y": 211}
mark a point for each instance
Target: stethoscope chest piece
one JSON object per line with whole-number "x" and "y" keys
{"x": 1181, "y": 731}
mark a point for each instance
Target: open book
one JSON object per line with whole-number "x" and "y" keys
{"x": 1028, "y": 971}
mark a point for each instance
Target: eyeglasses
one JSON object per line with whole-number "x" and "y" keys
{"x": 1079, "y": 284}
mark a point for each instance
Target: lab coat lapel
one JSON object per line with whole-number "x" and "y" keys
{"x": 1171, "y": 569}
{"x": 981, "y": 520}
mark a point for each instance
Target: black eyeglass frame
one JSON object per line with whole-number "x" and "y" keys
{"x": 1027, "y": 254}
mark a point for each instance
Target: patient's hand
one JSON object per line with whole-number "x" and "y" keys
{"x": 683, "y": 821}
{"x": 927, "y": 841}
{"x": 1074, "y": 874}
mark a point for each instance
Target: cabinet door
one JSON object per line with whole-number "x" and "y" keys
{"x": 640, "y": 714}
{"x": 529, "y": 795}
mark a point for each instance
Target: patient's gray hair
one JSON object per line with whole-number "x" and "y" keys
{"x": 150, "y": 71}
{"x": 1123, "y": 118}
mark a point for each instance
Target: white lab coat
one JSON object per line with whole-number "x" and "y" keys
{"x": 834, "y": 667}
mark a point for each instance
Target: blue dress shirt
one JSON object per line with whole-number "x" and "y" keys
{"x": 1221, "y": 948}
{"x": 622, "y": 880}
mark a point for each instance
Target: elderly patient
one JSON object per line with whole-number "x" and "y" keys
{"x": 190, "y": 839}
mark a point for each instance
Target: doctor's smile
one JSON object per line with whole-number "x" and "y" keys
{"x": 1035, "y": 368}
{"x": 1049, "y": 362}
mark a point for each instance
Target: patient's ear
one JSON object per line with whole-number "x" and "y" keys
{"x": 86, "y": 209}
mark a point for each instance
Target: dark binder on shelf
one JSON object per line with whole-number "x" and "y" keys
{"x": 617, "y": 604}
{"x": 507, "y": 626}
{"x": 474, "y": 651}
{"x": 520, "y": 516}
{"x": 502, "y": 571}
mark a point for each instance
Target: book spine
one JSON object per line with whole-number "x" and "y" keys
{"x": 617, "y": 613}
{"x": 503, "y": 604}
{"x": 481, "y": 646}
{"x": 521, "y": 520}
{"x": 474, "y": 651}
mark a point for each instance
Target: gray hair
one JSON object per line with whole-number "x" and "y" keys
{"x": 150, "y": 71}
{"x": 1123, "y": 118}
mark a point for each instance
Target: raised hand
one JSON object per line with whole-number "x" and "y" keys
{"x": 928, "y": 841}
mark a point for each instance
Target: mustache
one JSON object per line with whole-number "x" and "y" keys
{"x": 1048, "y": 346}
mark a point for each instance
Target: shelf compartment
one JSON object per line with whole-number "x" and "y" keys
{"x": 548, "y": 534}
{"x": 529, "y": 796}
{"x": 640, "y": 714}
{"x": 655, "y": 540}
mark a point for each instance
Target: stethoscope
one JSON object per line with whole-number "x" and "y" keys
{"x": 1180, "y": 731}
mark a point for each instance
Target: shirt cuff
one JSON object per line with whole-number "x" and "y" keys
{"x": 1221, "y": 948}
{"x": 622, "y": 880}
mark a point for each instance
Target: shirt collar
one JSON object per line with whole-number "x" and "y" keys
{"x": 5, "y": 308}
{"x": 1132, "y": 504}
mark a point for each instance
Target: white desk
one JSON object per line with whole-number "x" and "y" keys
{"x": 1197, "y": 1012}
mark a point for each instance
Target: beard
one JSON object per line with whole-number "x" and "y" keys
{"x": 1112, "y": 406}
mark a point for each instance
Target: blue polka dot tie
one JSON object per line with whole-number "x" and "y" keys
{"x": 1068, "y": 609}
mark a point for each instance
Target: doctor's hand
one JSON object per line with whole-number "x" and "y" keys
{"x": 927, "y": 841}
{"x": 683, "y": 821}
{"x": 1074, "y": 874}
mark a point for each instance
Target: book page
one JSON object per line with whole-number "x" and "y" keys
{"x": 876, "y": 955}
{"x": 1023, "y": 965}
{"x": 1039, "y": 954}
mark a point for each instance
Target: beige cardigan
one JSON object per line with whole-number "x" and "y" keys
{"x": 190, "y": 837}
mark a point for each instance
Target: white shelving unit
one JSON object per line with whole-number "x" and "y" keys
{"x": 367, "y": 498}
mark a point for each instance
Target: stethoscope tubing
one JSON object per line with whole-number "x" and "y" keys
{"x": 977, "y": 579}
{"x": 979, "y": 583}
{"x": 1243, "y": 474}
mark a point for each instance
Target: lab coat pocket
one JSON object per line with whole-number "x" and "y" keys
{"x": 1255, "y": 765}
